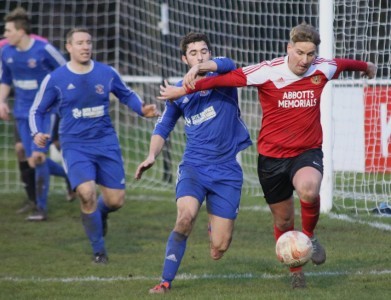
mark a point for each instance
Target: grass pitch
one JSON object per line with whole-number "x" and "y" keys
{"x": 52, "y": 259}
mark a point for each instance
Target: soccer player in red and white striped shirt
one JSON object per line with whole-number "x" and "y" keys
{"x": 290, "y": 139}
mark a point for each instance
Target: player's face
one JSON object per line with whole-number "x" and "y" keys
{"x": 13, "y": 35}
{"x": 80, "y": 47}
{"x": 196, "y": 53}
{"x": 300, "y": 56}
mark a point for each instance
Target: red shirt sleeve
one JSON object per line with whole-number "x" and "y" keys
{"x": 349, "y": 65}
{"x": 235, "y": 78}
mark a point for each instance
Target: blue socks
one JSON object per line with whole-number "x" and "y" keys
{"x": 175, "y": 250}
{"x": 93, "y": 227}
{"x": 42, "y": 180}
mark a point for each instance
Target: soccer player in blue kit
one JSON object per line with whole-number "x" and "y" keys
{"x": 90, "y": 146}
{"x": 209, "y": 168}
{"x": 25, "y": 61}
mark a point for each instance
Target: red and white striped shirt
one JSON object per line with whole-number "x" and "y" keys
{"x": 290, "y": 103}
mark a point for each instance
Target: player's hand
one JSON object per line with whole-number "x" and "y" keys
{"x": 190, "y": 77}
{"x": 145, "y": 165}
{"x": 150, "y": 111}
{"x": 371, "y": 70}
{"x": 4, "y": 111}
{"x": 40, "y": 139}
{"x": 170, "y": 92}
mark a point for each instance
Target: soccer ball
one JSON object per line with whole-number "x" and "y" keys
{"x": 294, "y": 248}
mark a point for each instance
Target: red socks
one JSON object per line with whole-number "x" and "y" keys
{"x": 309, "y": 216}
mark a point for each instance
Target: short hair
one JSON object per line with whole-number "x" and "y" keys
{"x": 70, "y": 33}
{"x": 193, "y": 37}
{"x": 20, "y": 18}
{"x": 304, "y": 33}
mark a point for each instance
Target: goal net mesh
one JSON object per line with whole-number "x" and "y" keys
{"x": 133, "y": 37}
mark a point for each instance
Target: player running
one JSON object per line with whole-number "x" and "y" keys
{"x": 209, "y": 170}
{"x": 290, "y": 139}
{"x": 25, "y": 61}
{"x": 90, "y": 147}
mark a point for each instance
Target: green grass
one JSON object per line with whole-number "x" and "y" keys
{"x": 52, "y": 260}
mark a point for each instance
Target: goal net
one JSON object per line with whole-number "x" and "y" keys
{"x": 141, "y": 39}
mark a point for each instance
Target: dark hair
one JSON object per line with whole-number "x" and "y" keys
{"x": 20, "y": 18}
{"x": 305, "y": 33}
{"x": 193, "y": 37}
{"x": 74, "y": 30}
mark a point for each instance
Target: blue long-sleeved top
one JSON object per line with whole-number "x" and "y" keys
{"x": 83, "y": 102}
{"x": 215, "y": 133}
{"x": 25, "y": 70}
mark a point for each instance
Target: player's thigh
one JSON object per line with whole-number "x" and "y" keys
{"x": 110, "y": 170}
{"x": 24, "y": 133}
{"x": 79, "y": 166}
{"x": 113, "y": 198}
{"x": 274, "y": 177}
{"x": 225, "y": 190}
{"x": 307, "y": 173}
{"x": 19, "y": 149}
{"x": 190, "y": 183}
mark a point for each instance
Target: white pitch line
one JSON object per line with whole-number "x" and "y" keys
{"x": 377, "y": 225}
{"x": 193, "y": 277}
{"x": 346, "y": 218}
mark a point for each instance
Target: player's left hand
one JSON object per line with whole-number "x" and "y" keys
{"x": 170, "y": 92}
{"x": 371, "y": 70}
{"x": 150, "y": 111}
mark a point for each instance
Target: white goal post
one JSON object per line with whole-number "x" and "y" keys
{"x": 141, "y": 39}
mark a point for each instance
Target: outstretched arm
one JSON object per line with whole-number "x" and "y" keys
{"x": 155, "y": 147}
{"x": 171, "y": 92}
{"x": 150, "y": 111}
{"x": 366, "y": 68}
{"x": 235, "y": 78}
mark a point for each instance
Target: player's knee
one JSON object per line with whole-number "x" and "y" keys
{"x": 284, "y": 224}
{"x": 184, "y": 224}
{"x": 308, "y": 191}
{"x": 218, "y": 249}
{"x": 310, "y": 196}
{"x": 19, "y": 150}
{"x": 216, "y": 254}
{"x": 87, "y": 201}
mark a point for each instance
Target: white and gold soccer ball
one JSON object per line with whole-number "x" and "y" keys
{"x": 294, "y": 248}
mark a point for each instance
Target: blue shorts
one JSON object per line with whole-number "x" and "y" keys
{"x": 220, "y": 185}
{"x": 104, "y": 165}
{"x": 24, "y": 133}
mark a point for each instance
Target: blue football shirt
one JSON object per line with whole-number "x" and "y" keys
{"x": 25, "y": 70}
{"x": 215, "y": 132}
{"x": 83, "y": 102}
